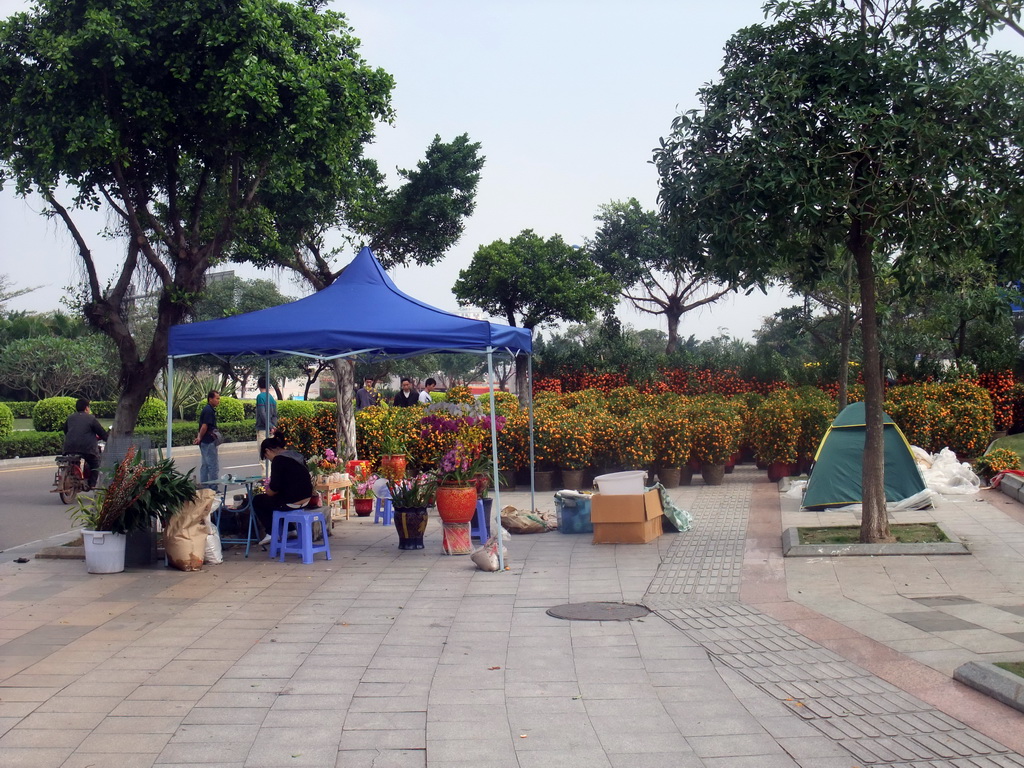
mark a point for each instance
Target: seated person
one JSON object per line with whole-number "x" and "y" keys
{"x": 290, "y": 487}
{"x": 81, "y": 435}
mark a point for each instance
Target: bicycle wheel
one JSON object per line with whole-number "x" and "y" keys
{"x": 71, "y": 481}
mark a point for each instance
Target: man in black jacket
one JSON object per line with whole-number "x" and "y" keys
{"x": 81, "y": 431}
{"x": 407, "y": 396}
{"x": 290, "y": 483}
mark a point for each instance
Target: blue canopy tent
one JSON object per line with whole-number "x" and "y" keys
{"x": 361, "y": 314}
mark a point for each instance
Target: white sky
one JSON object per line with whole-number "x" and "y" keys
{"x": 567, "y": 97}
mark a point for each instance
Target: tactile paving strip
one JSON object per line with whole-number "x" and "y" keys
{"x": 876, "y": 722}
{"x": 705, "y": 563}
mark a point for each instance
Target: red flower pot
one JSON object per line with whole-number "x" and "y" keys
{"x": 456, "y": 503}
{"x": 393, "y": 467}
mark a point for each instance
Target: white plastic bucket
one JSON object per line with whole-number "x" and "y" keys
{"x": 104, "y": 551}
{"x": 621, "y": 483}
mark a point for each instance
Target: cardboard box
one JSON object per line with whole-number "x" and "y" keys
{"x": 628, "y": 533}
{"x": 630, "y": 519}
{"x": 628, "y": 508}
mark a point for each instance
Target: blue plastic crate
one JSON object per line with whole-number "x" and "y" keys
{"x": 573, "y": 514}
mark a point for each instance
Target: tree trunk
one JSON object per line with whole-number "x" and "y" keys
{"x": 673, "y": 331}
{"x": 523, "y": 383}
{"x": 345, "y": 380}
{"x": 874, "y": 525}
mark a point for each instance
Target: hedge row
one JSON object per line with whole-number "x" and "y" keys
{"x": 21, "y": 409}
{"x": 29, "y": 443}
{"x": 22, "y": 444}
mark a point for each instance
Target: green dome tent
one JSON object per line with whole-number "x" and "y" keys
{"x": 836, "y": 478}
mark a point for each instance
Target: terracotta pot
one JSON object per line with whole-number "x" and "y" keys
{"x": 544, "y": 480}
{"x": 670, "y": 476}
{"x": 393, "y": 467}
{"x": 456, "y": 503}
{"x": 777, "y": 471}
{"x": 410, "y": 522}
{"x": 572, "y": 479}
{"x": 364, "y": 507}
{"x": 713, "y": 474}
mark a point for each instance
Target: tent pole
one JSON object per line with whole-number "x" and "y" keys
{"x": 529, "y": 405}
{"x": 266, "y": 419}
{"x": 170, "y": 406}
{"x": 494, "y": 456}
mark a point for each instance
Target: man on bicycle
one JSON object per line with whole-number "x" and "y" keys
{"x": 81, "y": 433}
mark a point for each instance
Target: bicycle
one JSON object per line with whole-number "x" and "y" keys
{"x": 68, "y": 480}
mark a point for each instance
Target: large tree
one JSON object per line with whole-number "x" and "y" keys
{"x": 878, "y": 126}
{"x": 173, "y": 118}
{"x": 529, "y": 281}
{"x": 636, "y": 247}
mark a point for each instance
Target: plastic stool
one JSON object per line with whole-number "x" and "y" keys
{"x": 383, "y": 511}
{"x": 481, "y": 525}
{"x": 303, "y": 544}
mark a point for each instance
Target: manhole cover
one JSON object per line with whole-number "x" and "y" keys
{"x": 598, "y": 611}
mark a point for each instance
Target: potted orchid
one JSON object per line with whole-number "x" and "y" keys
{"x": 363, "y": 493}
{"x": 410, "y": 498}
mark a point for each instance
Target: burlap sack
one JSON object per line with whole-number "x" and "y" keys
{"x": 185, "y": 534}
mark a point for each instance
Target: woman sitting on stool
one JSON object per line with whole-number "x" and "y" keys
{"x": 290, "y": 487}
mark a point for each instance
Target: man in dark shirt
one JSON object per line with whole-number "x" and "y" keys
{"x": 366, "y": 395}
{"x": 209, "y": 469}
{"x": 290, "y": 483}
{"x": 81, "y": 431}
{"x": 407, "y": 396}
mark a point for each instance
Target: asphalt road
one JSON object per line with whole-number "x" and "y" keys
{"x": 30, "y": 514}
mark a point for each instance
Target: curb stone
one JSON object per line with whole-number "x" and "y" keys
{"x": 993, "y": 681}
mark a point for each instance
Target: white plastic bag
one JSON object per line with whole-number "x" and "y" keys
{"x": 214, "y": 551}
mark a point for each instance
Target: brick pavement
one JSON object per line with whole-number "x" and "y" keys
{"x": 390, "y": 658}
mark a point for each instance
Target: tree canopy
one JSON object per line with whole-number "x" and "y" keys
{"x": 635, "y": 247}
{"x": 529, "y": 281}
{"x": 880, "y": 127}
{"x": 177, "y": 118}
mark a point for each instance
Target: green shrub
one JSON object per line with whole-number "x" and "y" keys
{"x": 21, "y": 409}
{"x": 295, "y": 408}
{"x": 230, "y": 409}
{"x": 995, "y": 461}
{"x": 50, "y": 414}
{"x": 22, "y": 444}
{"x": 6, "y": 421}
{"x": 153, "y": 413}
{"x": 103, "y": 409}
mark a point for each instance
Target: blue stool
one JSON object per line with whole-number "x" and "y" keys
{"x": 481, "y": 523}
{"x": 303, "y": 520}
{"x": 383, "y": 509}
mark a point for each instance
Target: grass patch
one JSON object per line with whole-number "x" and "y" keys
{"x": 1016, "y": 667}
{"x": 23, "y": 425}
{"x": 905, "y": 533}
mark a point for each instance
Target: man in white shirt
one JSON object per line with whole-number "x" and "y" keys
{"x": 428, "y": 387}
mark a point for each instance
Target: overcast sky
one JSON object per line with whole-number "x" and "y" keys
{"x": 567, "y": 97}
